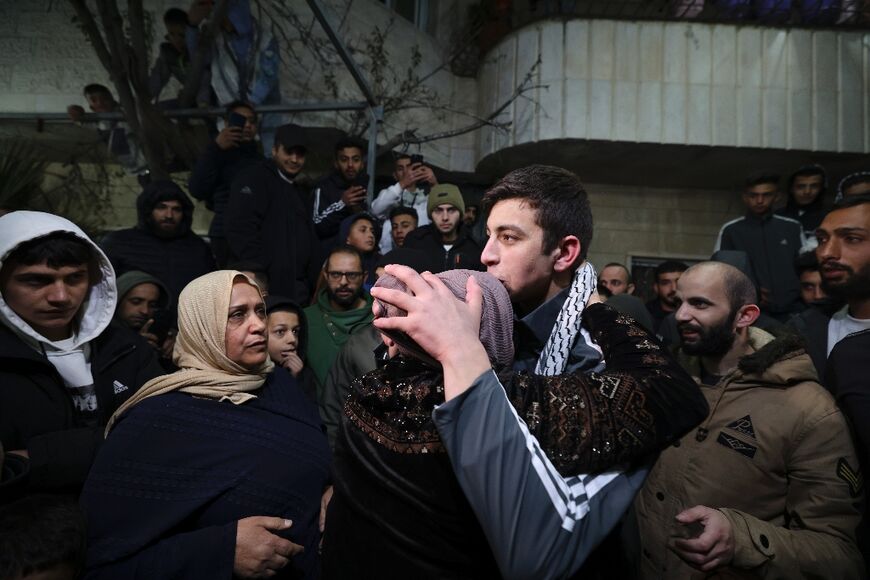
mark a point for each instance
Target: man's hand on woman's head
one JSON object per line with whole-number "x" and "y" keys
{"x": 448, "y": 329}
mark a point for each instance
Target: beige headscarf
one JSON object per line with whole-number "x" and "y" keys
{"x": 200, "y": 349}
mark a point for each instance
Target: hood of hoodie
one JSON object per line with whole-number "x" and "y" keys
{"x": 157, "y": 191}
{"x": 776, "y": 362}
{"x": 98, "y": 308}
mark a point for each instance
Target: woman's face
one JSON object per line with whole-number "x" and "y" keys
{"x": 246, "y": 327}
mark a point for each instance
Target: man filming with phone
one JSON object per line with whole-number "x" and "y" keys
{"x": 414, "y": 179}
{"x": 341, "y": 193}
{"x": 233, "y": 149}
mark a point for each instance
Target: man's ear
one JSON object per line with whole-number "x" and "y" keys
{"x": 630, "y": 289}
{"x": 746, "y": 316}
{"x": 567, "y": 253}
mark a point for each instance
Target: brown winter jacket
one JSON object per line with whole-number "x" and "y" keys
{"x": 775, "y": 456}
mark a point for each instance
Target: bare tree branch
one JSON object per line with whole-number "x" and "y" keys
{"x": 139, "y": 64}
{"x": 410, "y": 137}
{"x": 92, "y": 32}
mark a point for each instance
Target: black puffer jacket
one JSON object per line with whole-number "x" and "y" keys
{"x": 37, "y": 414}
{"x": 267, "y": 222}
{"x": 464, "y": 254}
{"x": 174, "y": 261}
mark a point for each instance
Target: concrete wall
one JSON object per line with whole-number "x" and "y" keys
{"x": 646, "y": 221}
{"x": 683, "y": 83}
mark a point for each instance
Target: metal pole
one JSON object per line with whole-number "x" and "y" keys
{"x": 351, "y": 65}
{"x": 377, "y": 117}
{"x": 197, "y": 112}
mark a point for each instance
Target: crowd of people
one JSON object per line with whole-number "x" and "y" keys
{"x": 422, "y": 389}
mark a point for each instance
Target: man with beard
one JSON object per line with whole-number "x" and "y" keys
{"x": 340, "y": 193}
{"x": 790, "y": 505}
{"x": 267, "y": 221}
{"x": 162, "y": 244}
{"x": 340, "y": 309}
{"x": 665, "y": 285}
{"x": 446, "y": 240}
{"x": 141, "y": 297}
{"x": 844, "y": 261}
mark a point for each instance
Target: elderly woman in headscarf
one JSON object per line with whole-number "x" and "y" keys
{"x": 216, "y": 470}
{"x": 397, "y": 510}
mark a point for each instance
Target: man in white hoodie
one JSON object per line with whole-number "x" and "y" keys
{"x": 63, "y": 369}
{"x": 413, "y": 180}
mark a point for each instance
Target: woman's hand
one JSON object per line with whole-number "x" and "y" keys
{"x": 324, "y": 503}
{"x": 259, "y": 552}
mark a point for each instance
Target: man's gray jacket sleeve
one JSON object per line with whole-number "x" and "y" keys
{"x": 539, "y": 524}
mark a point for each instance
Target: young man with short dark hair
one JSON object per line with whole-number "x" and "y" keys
{"x": 810, "y": 275}
{"x": 446, "y": 239}
{"x": 772, "y": 243}
{"x": 806, "y": 198}
{"x": 341, "y": 193}
{"x": 540, "y": 522}
{"x": 234, "y": 149}
{"x": 64, "y": 369}
{"x": 268, "y": 222}
{"x": 665, "y": 279}
{"x": 403, "y": 220}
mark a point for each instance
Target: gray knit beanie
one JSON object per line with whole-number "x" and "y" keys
{"x": 496, "y": 324}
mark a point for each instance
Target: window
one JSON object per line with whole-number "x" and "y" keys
{"x": 416, "y": 11}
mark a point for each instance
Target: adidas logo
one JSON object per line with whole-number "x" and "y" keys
{"x": 247, "y": 190}
{"x": 784, "y": 242}
{"x": 119, "y": 387}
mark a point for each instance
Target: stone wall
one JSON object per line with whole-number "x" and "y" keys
{"x": 683, "y": 83}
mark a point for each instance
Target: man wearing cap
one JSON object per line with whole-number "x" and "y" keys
{"x": 446, "y": 239}
{"x": 267, "y": 221}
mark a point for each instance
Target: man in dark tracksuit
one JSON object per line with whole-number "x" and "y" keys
{"x": 771, "y": 241}
{"x": 64, "y": 369}
{"x": 234, "y": 149}
{"x": 446, "y": 240}
{"x": 340, "y": 193}
{"x": 267, "y": 221}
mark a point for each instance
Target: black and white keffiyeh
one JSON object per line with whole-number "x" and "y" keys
{"x": 554, "y": 357}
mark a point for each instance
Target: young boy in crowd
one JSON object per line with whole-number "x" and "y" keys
{"x": 287, "y": 330}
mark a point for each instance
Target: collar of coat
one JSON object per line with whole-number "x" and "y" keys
{"x": 777, "y": 361}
